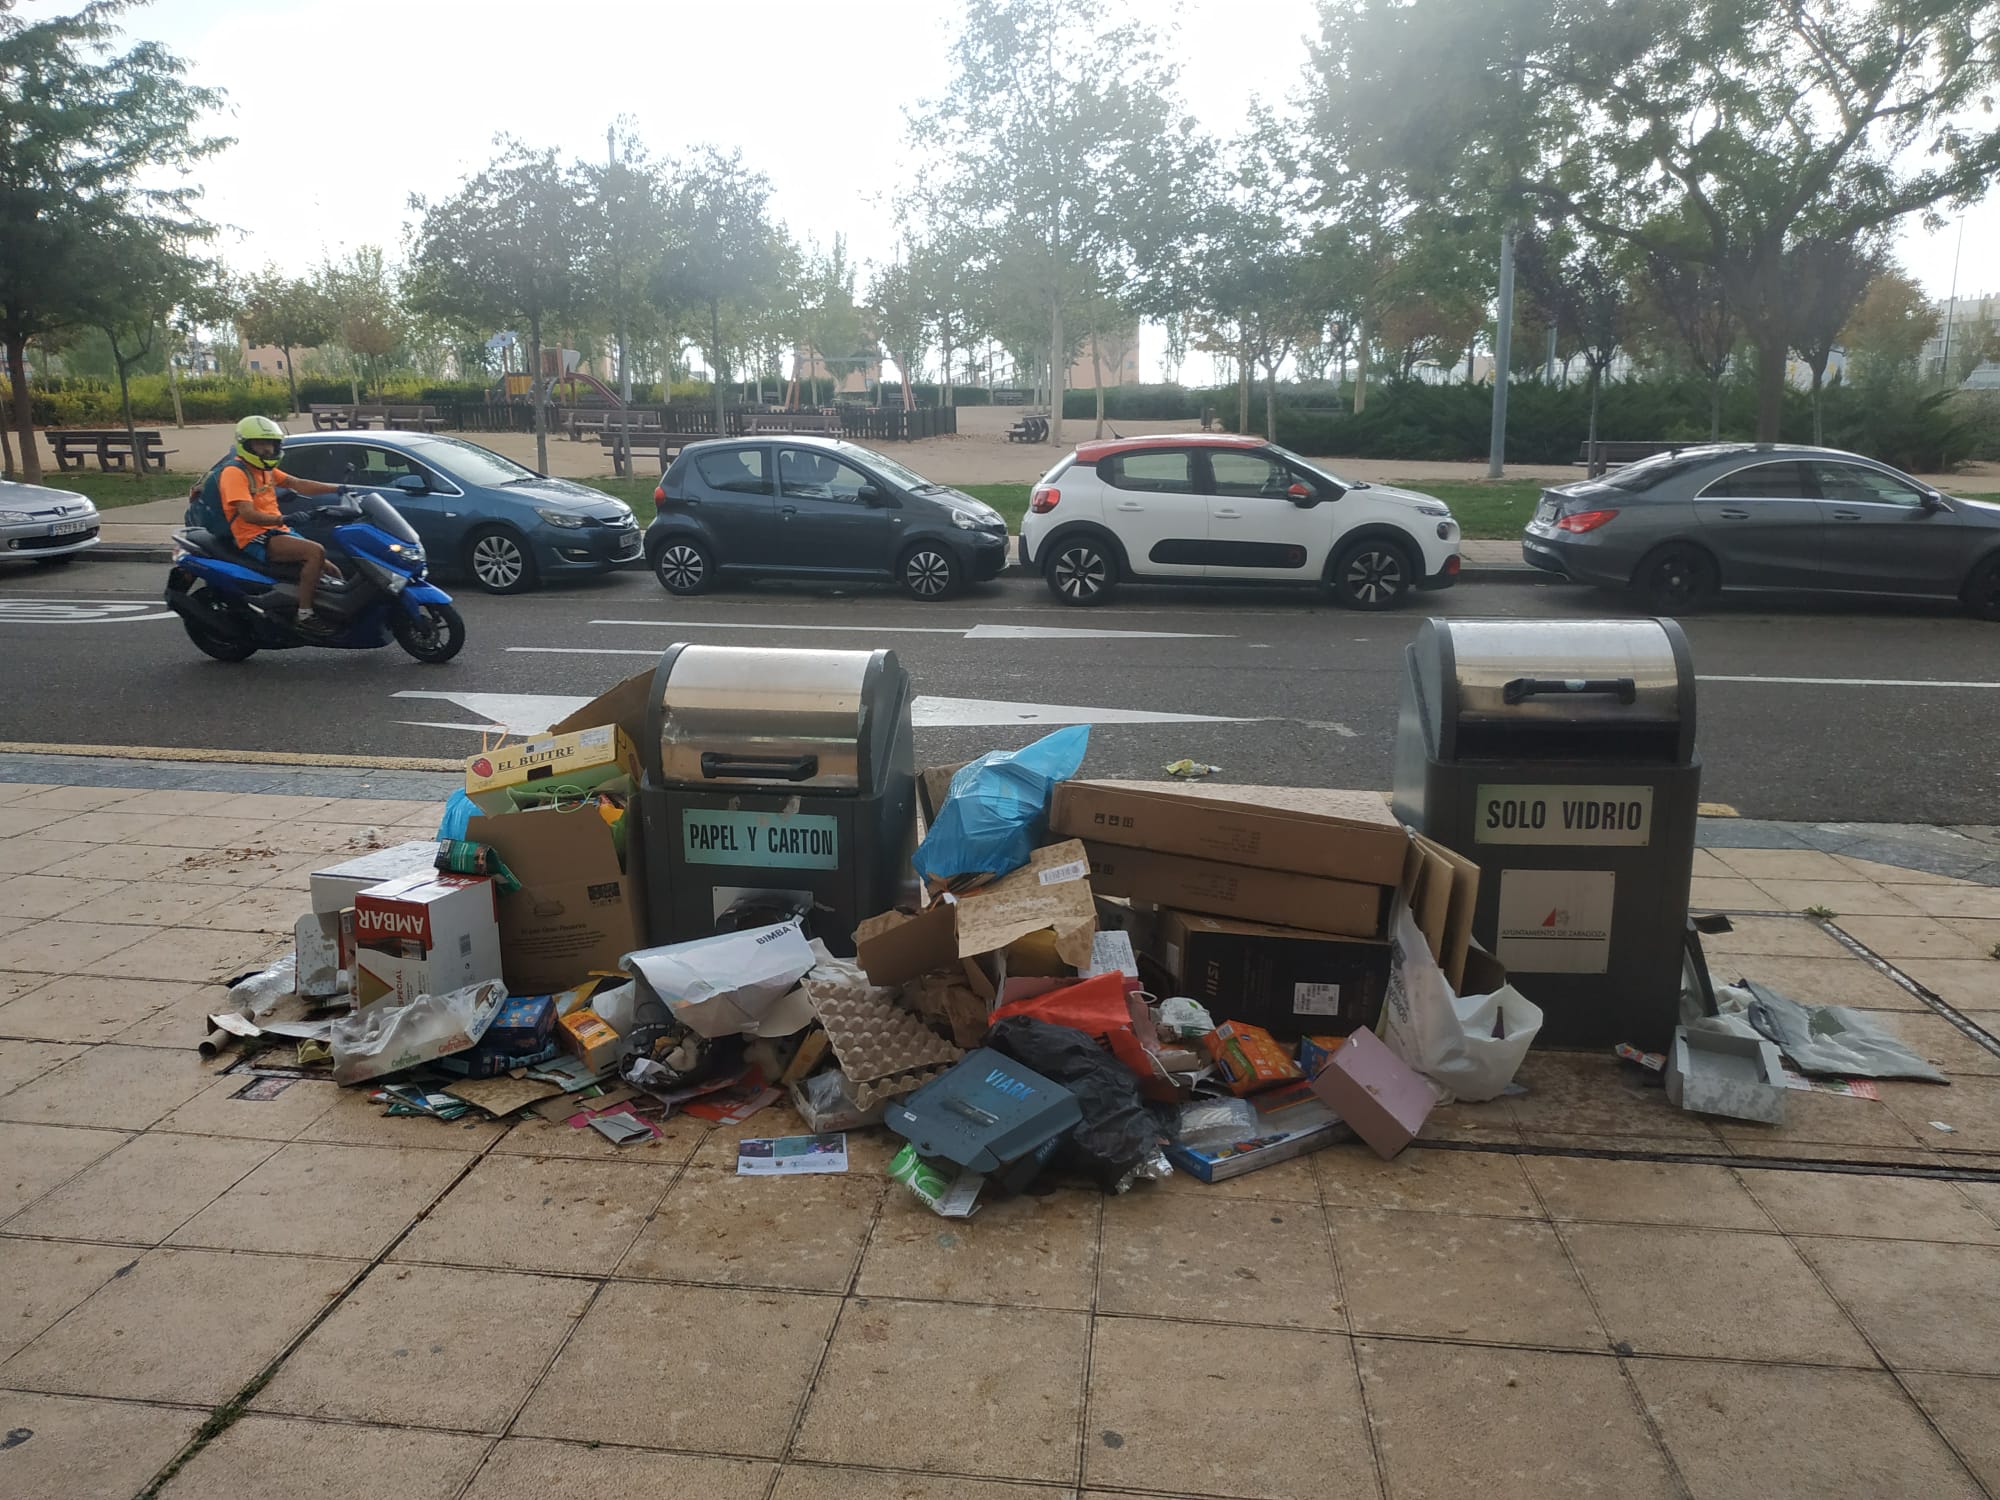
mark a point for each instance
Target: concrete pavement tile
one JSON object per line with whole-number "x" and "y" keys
{"x": 378, "y": 812}
{"x": 352, "y": 1119}
{"x": 23, "y": 1062}
{"x": 724, "y": 1369}
{"x": 811, "y": 1482}
{"x": 1290, "y": 1181}
{"x": 1753, "y": 1431}
{"x": 1828, "y": 1119}
{"x": 181, "y": 1325}
{"x": 1931, "y": 1037}
{"x": 143, "y": 1192}
{"x": 1884, "y": 873}
{"x": 118, "y": 862}
{"x": 1800, "y": 1151}
{"x": 309, "y": 1199}
{"x": 20, "y": 791}
{"x": 14, "y": 924}
{"x": 1844, "y": 898}
{"x": 528, "y": 1214}
{"x": 1577, "y": 1143}
{"x": 1718, "y": 893}
{"x": 1502, "y": 1281}
{"x": 187, "y": 956}
{"x": 430, "y": 1346}
{"x": 17, "y": 982}
{"x": 260, "y": 1457}
{"x": 220, "y": 1110}
{"x": 1237, "y": 1262}
{"x": 1019, "y": 1252}
{"x": 1466, "y": 1182}
{"x": 87, "y": 1450}
{"x": 1967, "y": 983}
{"x": 40, "y": 895}
{"x": 1833, "y": 981}
{"x": 1222, "y": 1433}
{"x": 131, "y": 823}
{"x": 149, "y": 903}
{"x": 679, "y": 1137}
{"x": 1486, "y": 1123}
{"x": 1711, "y": 1293}
{"x": 1982, "y": 932}
{"x": 1595, "y": 1094}
{"x": 1866, "y": 1207}
{"x": 252, "y": 909}
{"x": 42, "y": 1280}
{"x": 110, "y": 1086}
{"x": 1783, "y": 864}
{"x": 181, "y": 1022}
{"x": 1907, "y": 937}
{"x": 52, "y": 947}
{"x": 1642, "y": 1192}
{"x": 530, "y": 1469}
{"x": 24, "y": 854}
{"x": 1981, "y": 901}
{"x": 1926, "y": 1306}
{"x": 79, "y": 799}
{"x": 83, "y": 1010}
{"x": 1501, "y": 1408}
{"x": 1970, "y": 1106}
{"x": 1767, "y": 937}
{"x": 203, "y": 831}
{"x": 788, "y": 1233}
{"x": 36, "y": 1158}
{"x": 1986, "y": 1195}
{"x": 1966, "y": 1409}
{"x": 900, "y": 1378}
{"x": 15, "y": 819}
{"x": 1709, "y": 866}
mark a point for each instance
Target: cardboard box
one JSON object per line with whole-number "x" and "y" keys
{"x": 523, "y": 1025}
{"x": 1248, "y": 1058}
{"x": 1280, "y": 897}
{"x": 1284, "y": 979}
{"x": 576, "y": 912}
{"x": 335, "y": 887}
{"x": 1382, "y": 1098}
{"x": 582, "y": 758}
{"x": 585, "y": 1035}
{"x": 424, "y": 934}
{"x": 1338, "y": 835}
{"x": 1315, "y": 1052}
{"x": 1290, "y": 1122}
{"x": 1040, "y": 920}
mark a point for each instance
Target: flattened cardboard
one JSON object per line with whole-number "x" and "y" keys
{"x": 1280, "y": 897}
{"x": 576, "y": 913}
{"x": 1443, "y": 887}
{"x": 500, "y": 1097}
{"x": 1333, "y": 834}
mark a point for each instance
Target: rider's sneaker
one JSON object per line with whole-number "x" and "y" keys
{"x": 315, "y": 624}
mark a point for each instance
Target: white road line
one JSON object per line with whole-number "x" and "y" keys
{"x": 760, "y": 625}
{"x": 970, "y": 633}
{"x": 1890, "y": 682}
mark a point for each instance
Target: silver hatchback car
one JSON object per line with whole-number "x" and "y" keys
{"x": 44, "y": 525}
{"x": 1679, "y": 528}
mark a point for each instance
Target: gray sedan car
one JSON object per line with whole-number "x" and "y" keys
{"x": 44, "y": 525}
{"x": 1680, "y": 528}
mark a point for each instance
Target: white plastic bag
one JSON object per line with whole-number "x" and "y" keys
{"x": 386, "y": 1037}
{"x": 1469, "y": 1046}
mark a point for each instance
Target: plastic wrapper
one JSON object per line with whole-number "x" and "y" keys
{"x": 257, "y": 994}
{"x": 387, "y": 1037}
{"x": 1468, "y": 1046}
{"x": 1117, "y": 1132}
{"x": 1833, "y": 1039}
{"x": 1183, "y": 1020}
{"x": 463, "y": 857}
{"x": 459, "y": 810}
{"x": 997, "y": 810}
{"x": 946, "y": 1189}
{"x": 1214, "y": 1124}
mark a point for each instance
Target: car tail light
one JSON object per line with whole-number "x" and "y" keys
{"x": 1585, "y": 520}
{"x": 659, "y": 494}
{"x": 1045, "y": 499}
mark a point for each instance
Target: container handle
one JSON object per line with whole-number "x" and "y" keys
{"x": 1523, "y": 688}
{"x": 764, "y": 767}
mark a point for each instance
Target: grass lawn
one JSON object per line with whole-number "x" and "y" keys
{"x": 1486, "y": 510}
{"x": 110, "y": 491}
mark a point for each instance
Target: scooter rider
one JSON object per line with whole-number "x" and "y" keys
{"x": 247, "y": 482}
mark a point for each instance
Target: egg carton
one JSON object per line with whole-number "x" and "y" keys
{"x": 874, "y": 1038}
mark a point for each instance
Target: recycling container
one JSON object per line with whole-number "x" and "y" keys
{"x": 777, "y": 783}
{"x": 1559, "y": 755}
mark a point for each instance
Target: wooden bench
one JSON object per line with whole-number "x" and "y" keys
{"x": 328, "y": 417}
{"x": 114, "y": 449}
{"x": 577, "y": 420}
{"x": 1612, "y": 455}
{"x": 622, "y": 445}
{"x": 412, "y": 418}
{"x": 815, "y": 423}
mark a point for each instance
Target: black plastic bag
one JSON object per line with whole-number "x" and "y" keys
{"x": 1117, "y": 1133}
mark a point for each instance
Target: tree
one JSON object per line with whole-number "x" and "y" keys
{"x": 1685, "y": 295}
{"x": 137, "y": 279}
{"x": 1065, "y": 135}
{"x": 87, "y": 136}
{"x": 286, "y": 312}
{"x": 828, "y": 322}
{"x": 1894, "y": 321}
{"x": 628, "y": 224}
{"x": 361, "y": 294}
{"x": 1581, "y": 288}
{"x": 724, "y": 257}
{"x": 508, "y": 248}
{"x": 1825, "y": 281}
{"x": 901, "y": 313}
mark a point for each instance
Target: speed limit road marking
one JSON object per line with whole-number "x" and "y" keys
{"x": 78, "y": 611}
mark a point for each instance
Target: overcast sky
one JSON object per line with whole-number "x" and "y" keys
{"x": 343, "y": 108}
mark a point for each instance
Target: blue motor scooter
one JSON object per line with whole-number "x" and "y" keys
{"x": 234, "y": 607}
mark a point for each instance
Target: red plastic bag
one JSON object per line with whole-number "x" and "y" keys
{"x": 1101, "y": 1007}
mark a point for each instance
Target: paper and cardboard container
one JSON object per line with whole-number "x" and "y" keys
{"x": 424, "y": 934}
{"x": 1336, "y": 835}
{"x": 1281, "y": 897}
{"x": 580, "y": 759}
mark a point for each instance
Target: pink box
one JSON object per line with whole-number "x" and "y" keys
{"x": 1382, "y": 1098}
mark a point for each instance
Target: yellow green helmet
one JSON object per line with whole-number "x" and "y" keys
{"x": 258, "y": 430}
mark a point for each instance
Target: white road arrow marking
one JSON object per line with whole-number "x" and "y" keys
{"x": 974, "y": 633}
{"x": 32, "y": 611}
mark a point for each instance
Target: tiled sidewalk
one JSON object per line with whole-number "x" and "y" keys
{"x": 1577, "y": 1290}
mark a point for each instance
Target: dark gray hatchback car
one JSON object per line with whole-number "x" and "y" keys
{"x": 1680, "y": 528}
{"x": 811, "y": 507}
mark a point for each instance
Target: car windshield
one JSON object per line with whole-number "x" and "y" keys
{"x": 468, "y": 462}
{"x": 889, "y": 469}
{"x": 1320, "y": 469}
{"x": 1647, "y": 473}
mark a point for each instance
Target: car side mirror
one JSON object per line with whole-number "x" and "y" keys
{"x": 412, "y": 484}
{"x": 1932, "y": 500}
{"x": 871, "y": 495}
{"x": 1303, "y": 496}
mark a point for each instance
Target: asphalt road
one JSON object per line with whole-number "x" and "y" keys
{"x": 1282, "y": 687}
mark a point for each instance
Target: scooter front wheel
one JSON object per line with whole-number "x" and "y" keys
{"x": 436, "y": 637}
{"x": 221, "y": 647}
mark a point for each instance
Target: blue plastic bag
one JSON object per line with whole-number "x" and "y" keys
{"x": 997, "y": 811}
{"x": 459, "y": 810}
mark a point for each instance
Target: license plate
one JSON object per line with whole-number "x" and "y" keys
{"x": 68, "y": 528}
{"x": 1545, "y": 512}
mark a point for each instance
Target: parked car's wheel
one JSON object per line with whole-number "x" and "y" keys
{"x": 1982, "y": 590}
{"x": 1081, "y": 570}
{"x": 929, "y": 572}
{"x": 684, "y": 567}
{"x": 1676, "y": 579}
{"x": 435, "y": 638}
{"x": 1373, "y": 573}
{"x": 499, "y": 562}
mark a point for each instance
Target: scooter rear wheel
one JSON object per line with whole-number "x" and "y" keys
{"x": 222, "y": 648}
{"x": 435, "y": 638}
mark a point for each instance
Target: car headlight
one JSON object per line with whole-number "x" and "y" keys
{"x": 561, "y": 518}
{"x": 1433, "y": 510}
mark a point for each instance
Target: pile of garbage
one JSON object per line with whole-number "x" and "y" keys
{"x": 1101, "y": 980}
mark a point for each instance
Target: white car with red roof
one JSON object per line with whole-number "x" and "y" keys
{"x": 1204, "y": 507}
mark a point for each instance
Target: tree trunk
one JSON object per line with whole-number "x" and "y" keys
{"x": 6, "y": 453}
{"x": 1471, "y": 357}
{"x": 715, "y": 363}
{"x": 24, "y": 408}
{"x": 1715, "y": 407}
{"x": 1819, "y": 426}
{"x": 1097, "y": 374}
{"x": 1771, "y": 350}
{"x": 354, "y": 377}
{"x": 535, "y": 390}
{"x": 1271, "y": 403}
{"x": 1243, "y": 393}
{"x": 1361, "y": 365}
{"x": 1594, "y": 468}
{"x": 174, "y": 386}
{"x": 125, "y": 401}
{"x": 1056, "y": 371}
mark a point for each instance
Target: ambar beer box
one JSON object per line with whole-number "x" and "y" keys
{"x": 424, "y": 934}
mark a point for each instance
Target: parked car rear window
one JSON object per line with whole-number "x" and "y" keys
{"x": 1161, "y": 473}
{"x": 740, "y": 471}
{"x": 1661, "y": 467}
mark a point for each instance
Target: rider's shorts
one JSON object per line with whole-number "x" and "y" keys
{"x": 254, "y": 548}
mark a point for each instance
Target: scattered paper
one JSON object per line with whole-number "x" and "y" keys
{"x": 1190, "y": 770}
{"x": 261, "y": 1089}
{"x": 1858, "y": 1088}
{"x": 1947, "y": 1129}
{"x": 568, "y": 1074}
{"x": 502, "y": 1096}
{"x": 621, "y": 1128}
{"x": 791, "y": 1155}
{"x": 733, "y": 1105}
{"x": 588, "y": 1120}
